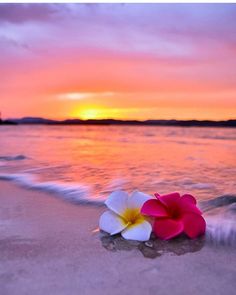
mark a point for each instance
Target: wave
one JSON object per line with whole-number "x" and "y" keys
{"x": 73, "y": 192}
{"x": 218, "y": 212}
{"x": 202, "y": 186}
{"x": 221, "y": 230}
{"x": 220, "y": 137}
{"x": 220, "y": 218}
{"x": 217, "y": 202}
{"x": 37, "y": 169}
{"x": 13, "y": 158}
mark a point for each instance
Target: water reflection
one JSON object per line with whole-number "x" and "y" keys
{"x": 154, "y": 247}
{"x": 148, "y": 158}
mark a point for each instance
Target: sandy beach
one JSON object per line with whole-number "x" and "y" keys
{"x": 49, "y": 246}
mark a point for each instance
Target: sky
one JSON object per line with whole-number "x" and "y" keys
{"x": 123, "y": 61}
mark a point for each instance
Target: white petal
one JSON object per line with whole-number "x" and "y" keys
{"x": 111, "y": 223}
{"x": 117, "y": 202}
{"x": 138, "y": 232}
{"x": 137, "y": 199}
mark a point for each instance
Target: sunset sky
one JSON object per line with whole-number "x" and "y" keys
{"x": 126, "y": 61}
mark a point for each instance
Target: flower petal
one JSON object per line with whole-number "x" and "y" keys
{"x": 170, "y": 200}
{"x": 194, "y": 225}
{"x": 167, "y": 228}
{"x": 137, "y": 199}
{"x": 154, "y": 208}
{"x": 138, "y": 232}
{"x": 111, "y": 223}
{"x": 157, "y": 195}
{"x": 189, "y": 198}
{"x": 186, "y": 206}
{"x": 117, "y": 202}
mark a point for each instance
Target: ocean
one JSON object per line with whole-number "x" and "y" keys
{"x": 89, "y": 162}
{"x": 84, "y": 164}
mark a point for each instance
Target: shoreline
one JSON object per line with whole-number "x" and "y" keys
{"x": 50, "y": 246}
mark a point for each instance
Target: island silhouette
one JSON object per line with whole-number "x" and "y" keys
{"x": 182, "y": 123}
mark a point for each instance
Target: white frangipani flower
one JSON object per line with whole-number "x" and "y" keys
{"x": 124, "y": 216}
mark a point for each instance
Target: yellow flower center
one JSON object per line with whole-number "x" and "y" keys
{"x": 132, "y": 216}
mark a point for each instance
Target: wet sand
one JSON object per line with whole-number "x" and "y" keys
{"x": 49, "y": 246}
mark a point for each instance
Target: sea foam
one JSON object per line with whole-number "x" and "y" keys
{"x": 221, "y": 230}
{"x": 73, "y": 192}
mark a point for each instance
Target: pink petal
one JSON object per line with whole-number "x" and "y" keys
{"x": 167, "y": 228}
{"x": 189, "y": 198}
{"x": 157, "y": 195}
{"x": 186, "y": 206}
{"x": 154, "y": 208}
{"x": 194, "y": 225}
{"x": 170, "y": 200}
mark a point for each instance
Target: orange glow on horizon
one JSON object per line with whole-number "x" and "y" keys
{"x": 90, "y": 113}
{"x": 96, "y": 112}
{"x": 162, "y": 113}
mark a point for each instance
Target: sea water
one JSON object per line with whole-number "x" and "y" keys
{"x": 87, "y": 163}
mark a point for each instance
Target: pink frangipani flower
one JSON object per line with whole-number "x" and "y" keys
{"x": 174, "y": 214}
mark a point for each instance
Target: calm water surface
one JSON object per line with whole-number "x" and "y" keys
{"x": 92, "y": 161}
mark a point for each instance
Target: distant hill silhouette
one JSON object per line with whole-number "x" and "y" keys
{"x": 185, "y": 123}
{"x": 7, "y": 122}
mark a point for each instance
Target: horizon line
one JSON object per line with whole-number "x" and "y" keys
{"x": 114, "y": 119}
{"x": 120, "y": 122}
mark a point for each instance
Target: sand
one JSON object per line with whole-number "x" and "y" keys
{"x": 49, "y": 246}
